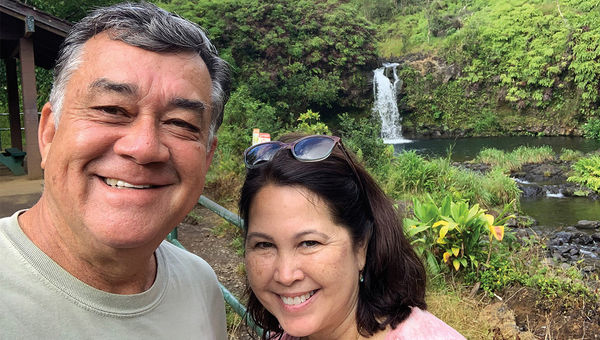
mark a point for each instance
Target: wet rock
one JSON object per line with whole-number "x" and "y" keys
{"x": 531, "y": 191}
{"x": 585, "y": 224}
{"x": 560, "y": 238}
{"x": 596, "y": 237}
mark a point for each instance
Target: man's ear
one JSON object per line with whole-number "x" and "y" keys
{"x": 46, "y": 131}
{"x": 211, "y": 151}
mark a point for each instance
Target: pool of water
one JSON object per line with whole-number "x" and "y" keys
{"x": 560, "y": 212}
{"x": 551, "y": 212}
{"x": 462, "y": 149}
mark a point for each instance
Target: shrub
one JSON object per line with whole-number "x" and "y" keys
{"x": 587, "y": 173}
{"x": 453, "y": 232}
{"x": 591, "y": 129}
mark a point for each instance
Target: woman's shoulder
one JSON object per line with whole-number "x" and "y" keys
{"x": 421, "y": 325}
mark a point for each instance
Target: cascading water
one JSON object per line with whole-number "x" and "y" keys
{"x": 385, "y": 103}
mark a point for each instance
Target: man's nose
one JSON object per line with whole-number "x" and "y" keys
{"x": 142, "y": 142}
{"x": 288, "y": 269}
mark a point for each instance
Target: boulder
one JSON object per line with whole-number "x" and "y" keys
{"x": 585, "y": 224}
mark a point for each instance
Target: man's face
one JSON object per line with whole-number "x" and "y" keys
{"x": 129, "y": 157}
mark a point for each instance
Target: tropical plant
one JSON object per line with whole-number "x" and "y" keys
{"x": 310, "y": 123}
{"x": 587, "y": 172}
{"x": 591, "y": 129}
{"x": 453, "y": 232}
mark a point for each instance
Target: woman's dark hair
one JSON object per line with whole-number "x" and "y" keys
{"x": 394, "y": 276}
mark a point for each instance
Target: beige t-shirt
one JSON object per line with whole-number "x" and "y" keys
{"x": 40, "y": 300}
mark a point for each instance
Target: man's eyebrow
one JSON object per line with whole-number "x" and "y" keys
{"x": 104, "y": 84}
{"x": 189, "y": 104}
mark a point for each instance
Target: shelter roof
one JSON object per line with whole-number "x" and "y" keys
{"x": 18, "y": 20}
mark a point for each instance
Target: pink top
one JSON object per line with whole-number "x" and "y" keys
{"x": 420, "y": 325}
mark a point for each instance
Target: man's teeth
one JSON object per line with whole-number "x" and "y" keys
{"x": 298, "y": 299}
{"x": 117, "y": 183}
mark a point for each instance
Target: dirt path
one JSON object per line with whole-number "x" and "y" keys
{"x": 204, "y": 235}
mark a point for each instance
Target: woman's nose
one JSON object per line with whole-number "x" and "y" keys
{"x": 288, "y": 270}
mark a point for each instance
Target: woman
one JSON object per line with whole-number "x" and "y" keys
{"x": 326, "y": 256}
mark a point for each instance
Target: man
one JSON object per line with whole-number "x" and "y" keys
{"x": 126, "y": 141}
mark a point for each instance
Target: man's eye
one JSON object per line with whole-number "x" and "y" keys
{"x": 183, "y": 124}
{"x": 112, "y": 110}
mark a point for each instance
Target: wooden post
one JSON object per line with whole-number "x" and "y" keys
{"x": 13, "y": 103}
{"x": 34, "y": 169}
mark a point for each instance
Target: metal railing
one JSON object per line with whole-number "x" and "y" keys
{"x": 238, "y": 222}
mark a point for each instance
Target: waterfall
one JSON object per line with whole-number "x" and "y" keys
{"x": 385, "y": 103}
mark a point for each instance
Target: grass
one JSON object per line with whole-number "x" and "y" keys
{"x": 413, "y": 176}
{"x": 459, "y": 311}
{"x": 514, "y": 160}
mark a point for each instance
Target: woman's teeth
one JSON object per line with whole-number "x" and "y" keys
{"x": 117, "y": 183}
{"x": 298, "y": 299}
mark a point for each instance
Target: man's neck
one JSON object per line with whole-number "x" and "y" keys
{"x": 118, "y": 271}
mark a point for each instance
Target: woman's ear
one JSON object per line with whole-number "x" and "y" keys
{"x": 361, "y": 255}
{"x": 46, "y": 131}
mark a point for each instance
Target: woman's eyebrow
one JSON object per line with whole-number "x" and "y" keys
{"x": 310, "y": 232}
{"x": 259, "y": 235}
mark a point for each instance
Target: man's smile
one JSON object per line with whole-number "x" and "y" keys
{"x": 117, "y": 183}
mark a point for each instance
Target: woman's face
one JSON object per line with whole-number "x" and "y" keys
{"x": 301, "y": 265}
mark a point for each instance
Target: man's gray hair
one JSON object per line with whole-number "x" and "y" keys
{"x": 148, "y": 27}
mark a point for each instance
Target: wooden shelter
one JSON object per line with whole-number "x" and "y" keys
{"x": 33, "y": 37}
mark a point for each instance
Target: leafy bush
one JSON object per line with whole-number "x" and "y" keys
{"x": 453, "y": 232}
{"x": 587, "y": 173}
{"x": 310, "y": 124}
{"x": 362, "y": 136}
{"x": 591, "y": 129}
{"x": 293, "y": 55}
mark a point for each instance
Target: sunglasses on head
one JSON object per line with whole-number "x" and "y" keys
{"x": 307, "y": 149}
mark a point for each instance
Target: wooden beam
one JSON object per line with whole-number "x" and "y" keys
{"x": 12, "y": 93}
{"x": 34, "y": 159}
{"x": 44, "y": 20}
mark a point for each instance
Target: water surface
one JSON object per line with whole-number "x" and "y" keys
{"x": 463, "y": 149}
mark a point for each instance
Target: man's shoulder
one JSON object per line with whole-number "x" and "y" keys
{"x": 177, "y": 257}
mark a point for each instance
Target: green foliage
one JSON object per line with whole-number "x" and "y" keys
{"x": 568, "y": 155}
{"x": 591, "y": 129}
{"x": 587, "y": 172}
{"x": 452, "y": 233}
{"x": 362, "y": 136}
{"x": 524, "y": 265}
{"x": 292, "y": 55}
{"x": 410, "y": 175}
{"x": 71, "y": 10}
{"x": 512, "y": 161}
{"x": 489, "y": 67}
{"x": 310, "y": 124}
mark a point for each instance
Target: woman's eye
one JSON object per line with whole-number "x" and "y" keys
{"x": 309, "y": 243}
{"x": 263, "y": 245}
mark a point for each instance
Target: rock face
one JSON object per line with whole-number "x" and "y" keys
{"x": 539, "y": 180}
